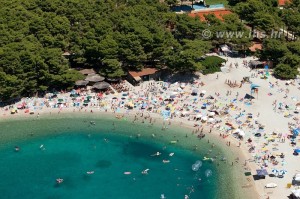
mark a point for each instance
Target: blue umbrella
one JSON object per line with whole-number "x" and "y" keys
{"x": 283, "y": 172}
{"x": 296, "y": 132}
{"x": 275, "y": 171}
{"x": 297, "y": 150}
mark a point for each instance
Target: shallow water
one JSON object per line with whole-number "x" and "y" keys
{"x": 72, "y": 146}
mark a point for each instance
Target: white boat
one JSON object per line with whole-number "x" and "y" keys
{"x": 145, "y": 172}
{"x": 171, "y": 154}
{"x": 162, "y": 196}
{"x": 90, "y": 172}
{"x": 59, "y": 180}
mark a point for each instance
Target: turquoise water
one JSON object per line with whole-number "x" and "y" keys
{"x": 188, "y": 8}
{"x": 201, "y": 7}
{"x": 71, "y": 147}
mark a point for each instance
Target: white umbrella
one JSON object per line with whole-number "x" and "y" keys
{"x": 184, "y": 112}
{"x": 203, "y": 91}
{"x": 211, "y": 119}
{"x": 204, "y": 118}
{"x": 275, "y": 171}
{"x": 271, "y": 185}
{"x": 242, "y": 133}
{"x": 198, "y": 116}
{"x": 296, "y": 193}
{"x": 297, "y": 177}
{"x": 212, "y": 113}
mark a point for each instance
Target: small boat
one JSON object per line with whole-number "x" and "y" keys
{"x": 171, "y": 154}
{"x": 162, "y": 196}
{"x": 59, "y": 180}
{"x": 166, "y": 161}
{"x": 145, "y": 172}
{"x": 90, "y": 172}
{"x": 42, "y": 146}
{"x": 127, "y": 172}
{"x": 173, "y": 142}
{"x": 17, "y": 148}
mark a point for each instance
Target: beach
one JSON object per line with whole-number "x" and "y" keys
{"x": 212, "y": 107}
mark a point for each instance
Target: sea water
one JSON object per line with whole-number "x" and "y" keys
{"x": 69, "y": 147}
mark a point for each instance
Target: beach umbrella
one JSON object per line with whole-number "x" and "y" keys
{"x": 204, "y": 118}
{"x": 101, "y": 85}
{"x": 211, "y": 119}
{"x": 203, "y": 91}
{"x": 94, "y": 78}
{"x": 271, "y": 185}
{"x": 212, "y": 113}
{"x": 242, "y": 133}
{"x": 81, "y": 83}
{"x": 283, "y": 172}
{"x": 297, "y": 150}
{"x": 275, "y": 171}
{"x": 20, "y": 106}
{"x": 198, "y": 116}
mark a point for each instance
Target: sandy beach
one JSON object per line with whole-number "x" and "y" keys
{"x": 211, "y": 107}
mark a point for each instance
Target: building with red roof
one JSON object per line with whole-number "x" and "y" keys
{"x": 219, "y": 13}
{"x": 283, "y": 2}
{"x": 145, "y": 74}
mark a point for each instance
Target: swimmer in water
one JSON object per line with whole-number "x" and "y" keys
{"x": 156, "y": 154}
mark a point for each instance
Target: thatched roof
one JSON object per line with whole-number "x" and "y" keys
{"x": 87, "y": 71}
{"x": 145, "y": 71}
{"x": 113, "y": 79}
{"x": 81, "y": 83}
{"x": 94, "y": 78}
{"x": 101, "y": 85}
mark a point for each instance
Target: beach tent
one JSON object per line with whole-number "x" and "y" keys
{"x": 247, "y": 96}
{"x": 296, "y": 193}
{"x": 297, "y": 177}
{"x": 262, "y": 172}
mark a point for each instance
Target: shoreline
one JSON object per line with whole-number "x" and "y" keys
{"x": 272, "y": 113}
{"x": 242, "y": 187}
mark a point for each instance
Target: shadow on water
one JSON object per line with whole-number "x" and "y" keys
{"x": 103, "y": 164}
{"x": 140, "y": 150}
